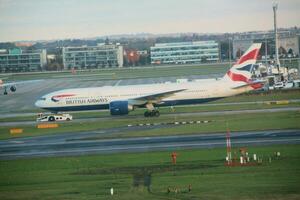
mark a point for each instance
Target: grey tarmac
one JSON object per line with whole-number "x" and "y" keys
{"x": 85, "y": 143}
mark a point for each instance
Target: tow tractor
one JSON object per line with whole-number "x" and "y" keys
{"x": 54, "y": 117}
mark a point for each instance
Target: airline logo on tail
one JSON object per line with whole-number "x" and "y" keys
{"x": 241, "y": 70}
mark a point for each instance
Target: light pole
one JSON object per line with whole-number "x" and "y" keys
{"x": 266, "y": 50}
{"x": 229, "y": 50}
{"x": 275, "y": 7}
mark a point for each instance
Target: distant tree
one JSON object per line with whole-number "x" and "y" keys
{"x": 144, "y": 60}
{"x": 125, "y": 61}
{"x": 7, "y": 45}
{"x": 204, "y": 59}
{"x": 224, "y": 45}
{"x": 107, "y": 41}
{"x": 53, "y": 66}
{"x": 239, "y": 53}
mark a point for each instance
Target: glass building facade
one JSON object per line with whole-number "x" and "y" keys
{"x": 185, "y": 52}
{"x": 93, "y": 57}
{"x": 16, "y": 60}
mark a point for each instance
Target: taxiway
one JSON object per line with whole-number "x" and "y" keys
{"x": 85, "y": 143}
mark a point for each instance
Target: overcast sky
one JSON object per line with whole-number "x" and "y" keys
{"x": 60, "y": 19}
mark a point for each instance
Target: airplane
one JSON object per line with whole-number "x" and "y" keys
{"x": 120, "y": 100}
{"x": 13, "y": 85}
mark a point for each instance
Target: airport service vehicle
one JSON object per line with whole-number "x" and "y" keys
{"x": 13, "y": 85}
{"x": 120, "y": 100}
{"x": 54, "y": 117}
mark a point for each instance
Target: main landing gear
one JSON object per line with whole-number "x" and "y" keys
{"x": 151, "y": 113}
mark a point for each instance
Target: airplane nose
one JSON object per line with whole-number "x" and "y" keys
{"x": 38, "y": 103}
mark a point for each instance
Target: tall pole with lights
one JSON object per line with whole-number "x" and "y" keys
{"x": 275, "y": 7}
{"x": 228, "y": 146}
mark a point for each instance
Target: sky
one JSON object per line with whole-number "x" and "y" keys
{"x": 62, "y": 19}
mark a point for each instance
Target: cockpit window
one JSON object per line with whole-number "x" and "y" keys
{"x": 42, "y": 98}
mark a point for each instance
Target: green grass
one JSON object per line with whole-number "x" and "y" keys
{"x": 237, "y": 122}
{"x": 91, "y": 177}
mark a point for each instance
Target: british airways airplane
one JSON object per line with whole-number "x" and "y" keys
{"x": 120, "y": 100}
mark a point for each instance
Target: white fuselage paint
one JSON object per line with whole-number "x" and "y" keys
{"x": 196, "y": 90}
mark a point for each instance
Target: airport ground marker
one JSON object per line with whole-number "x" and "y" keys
{"x": 14, "y": 131}
{"x": 47, "y": 126}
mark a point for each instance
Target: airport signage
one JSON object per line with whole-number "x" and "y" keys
{"x": 47, "y": 126}
{"x": 14, "y": 131}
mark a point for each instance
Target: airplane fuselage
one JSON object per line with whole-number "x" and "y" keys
{"x": 99, "y": 97}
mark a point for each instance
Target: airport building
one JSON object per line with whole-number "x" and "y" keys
{"x": 16, "y": 60}
{"x": 185, "y": 52}
{"x": 288, "y": 44}
{"x": 99, "y": 56}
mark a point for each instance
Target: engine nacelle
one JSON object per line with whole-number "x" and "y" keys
{"x": 120, "y": 107}
{"x": 13, "y": 88}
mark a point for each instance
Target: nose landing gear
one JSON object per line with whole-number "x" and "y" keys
{"x": 5, "y": 91}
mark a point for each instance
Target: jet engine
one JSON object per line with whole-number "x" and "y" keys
{"x": 13, "y": 88}
{"x": 120, "y": 107}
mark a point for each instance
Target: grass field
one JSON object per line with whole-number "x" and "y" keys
{"x": 241, "y": 122}
{"x": 148, "y": 175}
{"x": 237, "y": 122}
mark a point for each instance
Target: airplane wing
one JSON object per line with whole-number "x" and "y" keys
{"x": 153, "y": 98}
{"x": 18, "y": 83}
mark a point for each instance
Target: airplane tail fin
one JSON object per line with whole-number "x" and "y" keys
{"x": 241, "y": 71}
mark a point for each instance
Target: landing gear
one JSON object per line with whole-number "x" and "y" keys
{"x": 151, "y": 113}
{"x": 5, "y": 91}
